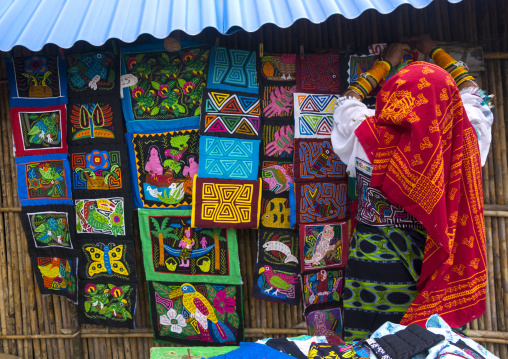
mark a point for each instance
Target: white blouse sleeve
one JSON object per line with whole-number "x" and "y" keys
{"x": 348, "y": 115}
{"x": 480, "y": 116}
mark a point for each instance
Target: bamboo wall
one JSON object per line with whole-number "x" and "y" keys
{"x": 35, "y": 326}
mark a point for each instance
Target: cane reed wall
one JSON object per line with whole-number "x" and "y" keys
{"x": 35, "y": 326}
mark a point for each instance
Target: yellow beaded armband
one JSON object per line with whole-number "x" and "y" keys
{"x": 441, "y": 58}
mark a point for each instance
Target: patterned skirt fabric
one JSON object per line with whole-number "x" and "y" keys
{"x": 382, "y": 271}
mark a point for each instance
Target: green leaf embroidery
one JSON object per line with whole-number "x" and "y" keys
{"x": 155, "y": 85}
{"x": 231, "y": 291}
{"x": 155, "y": 111}
{"x": 181, "y": 82}
{"x": 233, "y": 319}
{"x": 88, "y": 304}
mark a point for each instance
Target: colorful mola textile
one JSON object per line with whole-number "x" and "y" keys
{"x": 56, "y": 273}
{"x": 279, "y": 248}
{"x": 196, "y": 314}
{"x": 278, "y": 141}
{"x": 233, "y": 69}
{"x": 102, "y": 217}
{"x": 231, "y": 114}
{"x": 276, "y": 284}
{"x": 93, "y": 74}
{"x": 326, "y": 322}
{"x": 323, "y": 246}
{"x": 277, "y": 100}
{"x": 322, "y": 288}
{"x": 39, "y": 130}
{"x": 320, "y": 202}
{"x": 107, "y": 303}
{"x": 112, "y": 261}
{"x": 37, "y": 81}
{"x": 95, "y": 121}
{"x": 222, "y": 203}
{"x": 165, "y": 85}
{"x": 275, "y": 210}
{"x": 173, "y": 250}
{"x": 163, "y": 164}
{"x": 229, "y": 158}
{"x": 50, "y": 226}
{"x": 331, "y": 351}
{"x": 315, "y": 160}
{"x": 314, "y": 115}
{"x": 277, "y": 67}
{"x": 99, "y": 168}
{"x": 277, "y": 176}
{"x": 43, "y": 179}
{"x": 426, "y": 158}
{"x": 318, "y": 73}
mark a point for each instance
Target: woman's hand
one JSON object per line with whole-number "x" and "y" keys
{"x": 395, "y": 52}
{"x": 423, "y": 43}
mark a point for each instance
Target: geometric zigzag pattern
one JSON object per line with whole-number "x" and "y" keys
{"x": 231, "y": 114}
{"x": 228, "y": 158}
{"x": 314, "y": 115}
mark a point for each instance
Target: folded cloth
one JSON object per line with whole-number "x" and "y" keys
{"x": 253, "y": 351}
{"x": 283, "y": 345}
{"x": 405, "y": 343}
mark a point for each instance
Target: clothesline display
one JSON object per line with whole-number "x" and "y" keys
{"x": 216, "y": 139}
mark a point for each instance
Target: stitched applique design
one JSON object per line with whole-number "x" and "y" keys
{"x": 112, "y": 260}
{"x": 275, "y": 210}
{"x": 172, "y": 249}
{"x": 107, "y": 303}
{"x": 92, "y": 74}
{"x": 220, "y": 203}
{"x": 206, "y": 314}
{"x": 39, "y": 130}
{"x": 278, "y": 141}
{"x": 105, "y": 216}
{"x": 43, "y": 179}
{"x": 322, "y": 287}
{"x": 232, "y": 69}
{"x": 277, "y": 67}
{"x": 228, "y": 158}
{"x": 231, "y": 114}
{"x": 276, "y": 284}
{"x": 321, "y": 202}
{"x": 169, "y": 85}
{"x": 324, "y": 246}
{"x": 99, "y": 168}
{"x": 326, "y": 322}
{"x": 277, "y": 100}
{"x": 36, "y": 81}
{"x": 318, "y": 73}
{"x": 277, "y": 176}
{"x": 314, "y": 115}
{"x": 280, "y": 248}
{"x": 56, "y": 275}
{"x": 165, "y": 164}
{"x": 96, "y": 120}
{"x": 47, "y": 228}
{"x": 315, "y": 160}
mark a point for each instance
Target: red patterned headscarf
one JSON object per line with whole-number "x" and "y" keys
{"x": 426, "y": 158}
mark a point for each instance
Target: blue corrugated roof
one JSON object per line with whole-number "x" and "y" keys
{"x": 33, "y": 23}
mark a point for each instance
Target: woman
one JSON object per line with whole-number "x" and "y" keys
{"x": 419, "y": 243}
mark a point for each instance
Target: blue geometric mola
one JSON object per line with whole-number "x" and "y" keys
{"x": 228, "y": 158}
{"x": 232, "y": 69}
